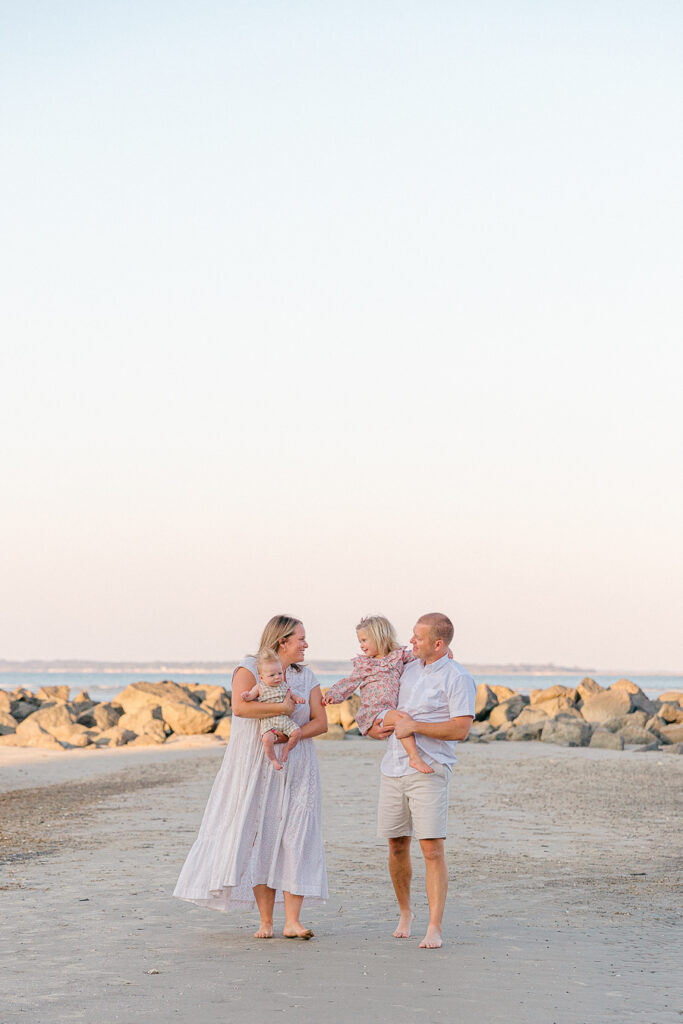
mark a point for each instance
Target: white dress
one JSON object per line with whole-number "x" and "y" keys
{"x": 260, "y": 826}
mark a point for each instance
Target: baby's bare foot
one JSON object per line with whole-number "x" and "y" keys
{"x": 432, "y": 939}
{"x": 265, "y": 931}
{"x": 422, "y": 766}
{"x": 297, "y": 931}
{"x": 405, "y": 923}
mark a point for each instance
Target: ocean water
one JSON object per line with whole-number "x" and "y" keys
{"x": 105, "y": 685}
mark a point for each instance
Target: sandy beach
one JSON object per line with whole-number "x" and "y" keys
{"x": 564, "y": 866}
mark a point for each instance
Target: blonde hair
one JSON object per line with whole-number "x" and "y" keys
{"x": 277, "y": 630}
{"x": 266, "y": 657}
{"x": 382, "y": 633}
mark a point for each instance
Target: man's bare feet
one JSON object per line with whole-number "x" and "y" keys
{"x": 265, "y": 931}
{"x": 405, "y": 924}
{"x": 432, "y": 939}
{"x": 297, "y": 931}
{"x": 416, "y": 762}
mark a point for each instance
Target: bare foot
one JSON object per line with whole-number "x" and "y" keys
{"x": 432, "y": 939}
{"x": 297, "y": 931}
{"x": 265, "y": 931}
{"x": 405, "y": 923}
{"x": 416, "y": 762}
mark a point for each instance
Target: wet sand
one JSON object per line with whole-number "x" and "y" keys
{"x": 565, "y": 869}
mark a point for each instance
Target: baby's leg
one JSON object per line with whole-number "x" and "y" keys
{"x": 410, "y": 747}
{"x": 268, "y": 741}
{"x": 292, "y": 741}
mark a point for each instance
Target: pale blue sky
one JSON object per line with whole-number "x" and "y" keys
{"x": 338, "y": 309}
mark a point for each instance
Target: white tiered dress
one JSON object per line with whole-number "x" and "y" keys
{"x": 260, "y": 826}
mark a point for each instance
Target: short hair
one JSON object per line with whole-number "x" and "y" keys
{"x": 267, "y": 657}
{"x": 440, "y": 626}
{"x": 382, "y": 632}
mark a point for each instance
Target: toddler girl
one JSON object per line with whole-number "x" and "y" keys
{"x": 273, "y": 689}
{"x": 377, "y": 673}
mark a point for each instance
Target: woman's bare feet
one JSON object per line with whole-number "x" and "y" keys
{"x": 416, "y": 762}
{"x": 297, "y": 931}
{"x": 405, "y": 924}
{"x": 432, "y": 939}
{"x": 265, "y": 931}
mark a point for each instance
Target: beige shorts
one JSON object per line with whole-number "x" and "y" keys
{"x": 414, "y": 804}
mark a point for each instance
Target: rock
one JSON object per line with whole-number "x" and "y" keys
{"x": 672, "y": 733}
{"x": 31, "y": 734}
{"x": 223, "y": 728}
{"x": 552, "y": 693}
{"x": 638, "y": 698}
{"x": 74, "y": 735}
{"x": 101, "y": 716}
{"x": 218, "y": 707}
{"x": 635, "y": 734}
{"x": 531, "y": 716}
{"x": 343, "y": 714}
{"x": 560, "y": 706}
{"x": 566, "y": 732}
{"x": 187, "y": 719}
{"x": 496, "y": 734}
{"x": 83, "y": 698}
{"x": 21, "y": 708}
{"x": 672, "y": 696}
{"x": 655, "y": 726}
{"x": 675, "y": 748}
{"x": 211, "y": 697}
{"x": 150, "y": 737}
{"x": 144, "y": 695}
{"x": 53, "y": 716}
{"x": 638, "y": 718}
{"x": 114, "y": 737}
{"x": 606, "y": 740}
{"x": 654, "y": 745}
{"x": 670, "y": 713}
{"x": 10, "y": 740}
{"x": 508, "y": 710}
{"x": 527, "y": 730}
{"x": 146, "y": 722}
{"x": 5, "y": 702}
{"x": 334, "y": 732}
{"x": 607, "y": 705}
{"x": 53, "y": 693}
{"x": 588, "y": 688}
{"x": 480, "y": 728}
{"x": 8, "y": 724}
{"x": 503, "y": 692}
{"x": 485, "y": 702}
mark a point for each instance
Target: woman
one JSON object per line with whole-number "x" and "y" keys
{"x": 261, "y": 835}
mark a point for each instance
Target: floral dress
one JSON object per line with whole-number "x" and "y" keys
{"x": 378, "y": 680}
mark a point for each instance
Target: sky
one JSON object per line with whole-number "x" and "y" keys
{"x": 339, "y": 309}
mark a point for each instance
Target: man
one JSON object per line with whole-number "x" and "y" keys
{"x": 436, "y": 698}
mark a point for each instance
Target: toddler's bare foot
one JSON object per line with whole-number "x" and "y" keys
{"x": 297, "y": 931}
{"x": 265, "y": 931}
{"x": 405, "y": 923}
{"x": 432, "y": 939}
{"x": 416, "y": 762}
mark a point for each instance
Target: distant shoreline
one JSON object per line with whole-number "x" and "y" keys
{"x": 82, "y": 667}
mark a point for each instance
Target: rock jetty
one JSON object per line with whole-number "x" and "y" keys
{"x": 587, "y": 715}
{"x": 143, "y": 714}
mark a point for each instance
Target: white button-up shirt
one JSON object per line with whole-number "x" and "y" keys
{"x": 430, "y": 693}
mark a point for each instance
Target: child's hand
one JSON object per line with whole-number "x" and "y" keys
{"x": 297, "y": 700}
{"x": 247, "y": 695}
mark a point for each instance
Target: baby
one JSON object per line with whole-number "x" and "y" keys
{"x": 273, "y": 690}
{"x": 377, "y": 673}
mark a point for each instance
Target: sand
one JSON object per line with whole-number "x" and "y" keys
{"x": 564, "y": 867}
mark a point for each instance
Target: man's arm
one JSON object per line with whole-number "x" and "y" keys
{"x": 451, "y": 729}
